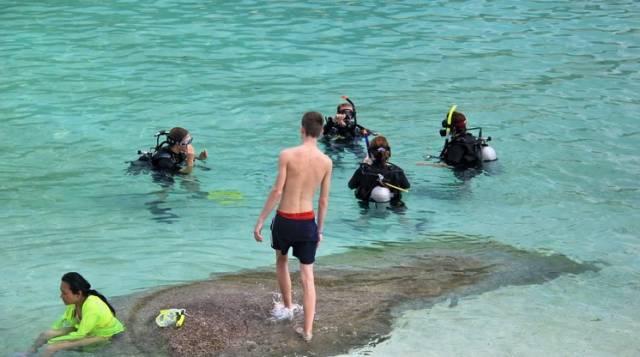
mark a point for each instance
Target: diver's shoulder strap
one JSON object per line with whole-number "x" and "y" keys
{"x": 162, "y": 154}
{"x": 393, "y": 167}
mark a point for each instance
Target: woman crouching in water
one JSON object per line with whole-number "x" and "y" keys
{"x": 87, "y": 320}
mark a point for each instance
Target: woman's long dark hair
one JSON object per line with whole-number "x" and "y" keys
{"x": 79, "y": 284}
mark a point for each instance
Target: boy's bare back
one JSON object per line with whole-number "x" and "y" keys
{"x": 304, "y": 168}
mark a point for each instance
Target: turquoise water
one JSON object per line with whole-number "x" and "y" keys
{"x": 85, "y": 85}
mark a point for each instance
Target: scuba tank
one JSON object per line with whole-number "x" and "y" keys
{"x": 147, "y": 155}
{"x": 380, "y": 194}
{"x": 487, "y": 153}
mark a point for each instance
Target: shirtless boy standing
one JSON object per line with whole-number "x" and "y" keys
{"x": 301, "y": 170}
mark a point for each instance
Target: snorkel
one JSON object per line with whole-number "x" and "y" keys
{"x": 446, "y": 124}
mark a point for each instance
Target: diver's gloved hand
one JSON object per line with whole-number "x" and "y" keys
{"x": 339, "y": 119}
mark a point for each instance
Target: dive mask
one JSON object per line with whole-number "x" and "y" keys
{"x": 186, "y": 141}
{"x": 348, "y": 113}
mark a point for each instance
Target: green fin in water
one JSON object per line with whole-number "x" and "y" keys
{"x": 225, "y": 197}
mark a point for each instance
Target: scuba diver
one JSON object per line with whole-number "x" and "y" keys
{"x": 462, "y": 150}
{"x": 173, "y": 155}
{"x": 377, "y": 180}
{"x": 343, "y": 133}
{"x": 344, "y": 125}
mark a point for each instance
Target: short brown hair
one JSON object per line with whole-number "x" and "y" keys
{"x": 177, "y": 134}
{"x": 343, "y": 105}
{"x": 458, "y": 121}
{"x": 312, "y": 123}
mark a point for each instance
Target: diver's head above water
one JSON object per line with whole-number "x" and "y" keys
{"x": 179, "y": 140}
{"x": 345, "y": 115}
{"x": 458, "y": 123}
{"x": 175, "y": 153}
{"x": 379, "y": 150}
{"x": 454, "y": 123}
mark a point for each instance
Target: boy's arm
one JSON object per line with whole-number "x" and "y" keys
{"x": 274, "y": 196}
{"x": 323, "y": 199}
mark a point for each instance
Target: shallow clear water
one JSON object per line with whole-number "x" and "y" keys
{"x": 84, "y": 86}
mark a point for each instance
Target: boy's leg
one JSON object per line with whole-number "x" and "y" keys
{"x": 284, "y": 280}
{"x": 309, "y": 298}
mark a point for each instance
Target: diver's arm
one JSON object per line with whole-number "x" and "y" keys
{"x": 433, "y": 164}
{"x": 355, "y": 179}
{"x": 187, "y": 169}
{"x": 395, "y": 176}
{"x": 364, "y": 131}
{"x": 191, "y": 158}
{"x": 402, "y": 182}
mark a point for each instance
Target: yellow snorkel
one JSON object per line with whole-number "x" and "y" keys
{"x": 180, "y": 321}
{"x": 453, "y": 109}
{"x": 381, "y": 180}
{"x": 396, "y": 187}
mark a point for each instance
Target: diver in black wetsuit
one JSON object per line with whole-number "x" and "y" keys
{"x": 344, "y": 125}
{"x": 463, "y": 150}
{"x": 377, "y": 179}
{"x": 173, "y": 155}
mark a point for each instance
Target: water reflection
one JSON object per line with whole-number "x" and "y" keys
{"x": 160, "y": 205}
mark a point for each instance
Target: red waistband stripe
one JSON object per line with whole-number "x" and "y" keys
{"x": 297, "y": 216}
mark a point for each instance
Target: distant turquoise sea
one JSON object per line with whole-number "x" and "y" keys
{"x": 85, "y": 84}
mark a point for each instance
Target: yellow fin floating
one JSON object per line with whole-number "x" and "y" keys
{"x": 225, "y": 197}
